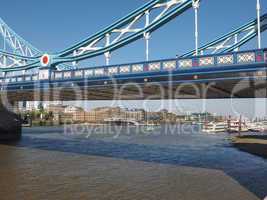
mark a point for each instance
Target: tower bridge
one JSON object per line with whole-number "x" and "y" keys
{"x": 217, "y": 69}
{"x": 209, "y": 76}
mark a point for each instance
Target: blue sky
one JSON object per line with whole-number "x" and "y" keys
{"x": 54, "y": 25}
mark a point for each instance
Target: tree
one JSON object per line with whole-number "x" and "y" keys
{"x": 41, "y": 107}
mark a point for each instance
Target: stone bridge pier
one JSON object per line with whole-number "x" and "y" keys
{"x": 10, "y": 122}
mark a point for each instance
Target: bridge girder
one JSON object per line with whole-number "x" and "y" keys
{"x": 138, "y": 24}
{"x": 209, "y": 86}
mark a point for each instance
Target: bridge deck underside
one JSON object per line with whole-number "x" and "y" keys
{"x": 248, "y": 83}
{"x": 212, "y": 90}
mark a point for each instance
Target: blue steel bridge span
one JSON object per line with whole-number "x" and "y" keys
{"x": 217, "y": 69}
{"x": 209, "y": 76}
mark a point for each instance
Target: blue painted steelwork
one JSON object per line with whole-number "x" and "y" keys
{"x": 251, "y": 29}
{"x": 176, "y": 11}
{"x": 171, "y": 10}
{"x": 86, "y": 49}
{"x": 158, "y": 70}
{"x": 29, "y": 50}
{"x": 19, "y": 53}
{"x": 120, "y": 23}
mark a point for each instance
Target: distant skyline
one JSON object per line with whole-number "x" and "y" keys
{"x": 55, "y": 25}
{"x": 234, "y": 107}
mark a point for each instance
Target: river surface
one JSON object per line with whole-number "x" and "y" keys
{"x": 172, "y": 146}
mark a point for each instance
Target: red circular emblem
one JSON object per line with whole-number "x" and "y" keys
{"x": 45, "y": 59}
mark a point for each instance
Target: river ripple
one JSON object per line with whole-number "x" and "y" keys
{"x": 83, "y": 152}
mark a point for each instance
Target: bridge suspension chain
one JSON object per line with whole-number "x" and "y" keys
{"x": 232, "y": 41}
{"x": 140, "y": 23}
{"x": 18, "y": 45}
{"x": 16, "y": 52}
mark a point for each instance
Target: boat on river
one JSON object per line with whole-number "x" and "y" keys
{"x": 214, "y": 127}
{"x": 258, "y": 126}
{"x": 237, "y": 126}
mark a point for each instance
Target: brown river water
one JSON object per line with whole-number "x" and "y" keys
{"x": 48, "y": 164}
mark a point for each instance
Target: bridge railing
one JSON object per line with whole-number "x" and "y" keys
{"x": 182, "y": 64}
